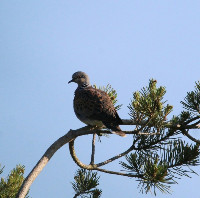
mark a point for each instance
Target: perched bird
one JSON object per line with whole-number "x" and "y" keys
{"x": 93, "y": 106}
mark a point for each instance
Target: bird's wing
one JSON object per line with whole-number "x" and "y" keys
{"x": 95, "y": 104}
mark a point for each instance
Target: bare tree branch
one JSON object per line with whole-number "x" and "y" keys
{"x": 196, "y": 124}
{"x": 47, "y": 156}
{"x": 93, "y": 148}
{"x": 190, "y": 137}
{"x": 191, "y": 120}
{"x": 115, "y": 157}
{"x": 166, "y": 124}
{"x": 95, "y": 166}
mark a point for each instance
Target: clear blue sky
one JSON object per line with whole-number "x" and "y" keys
{"x": 124, "y": 43}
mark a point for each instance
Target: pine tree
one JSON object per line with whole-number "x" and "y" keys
{"x": 10, "y": 186}
{"x": 158, "y": 155}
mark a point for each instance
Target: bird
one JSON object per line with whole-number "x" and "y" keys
{"x": 93, "y": 106}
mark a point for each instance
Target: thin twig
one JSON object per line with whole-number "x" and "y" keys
{"x": 190, "y": 137}
{"x": 191, "y": 120}
{"x": 119, "y": 173}
{"x": 93, "y": 148}
{"x": 195, "y": 124}
{"x": 94, "y": 167}
{"x": 115, "y": 157}
{"x": 166, "y": 125}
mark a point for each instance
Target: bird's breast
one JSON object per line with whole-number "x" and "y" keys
{"x": 88, "y": 121}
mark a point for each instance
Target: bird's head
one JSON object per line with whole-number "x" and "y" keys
{"x": 81, "y": 78}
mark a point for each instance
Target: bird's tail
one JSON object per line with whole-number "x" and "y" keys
{"x": 117, "y": 130}
{"x": 120, "y": 133}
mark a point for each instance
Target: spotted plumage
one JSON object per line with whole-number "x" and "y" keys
{"x": 93, "y": 106}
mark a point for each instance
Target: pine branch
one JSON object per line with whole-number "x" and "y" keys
{"x": 157, "y": 170}
{"x": 147, "y": 104}
{"x": 86, "y": 182}
{"x": 152, "y": 133}
{"x": 190, "y": 137}
{"x": 1, "y": 169}
{"x": 192, "y": 100}
{"x": 10, "y": 185}
{"x": 72, "y": 134}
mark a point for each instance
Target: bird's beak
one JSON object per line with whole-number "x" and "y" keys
{"x": 71, "y": 81}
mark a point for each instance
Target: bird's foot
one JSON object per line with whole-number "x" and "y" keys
{"x": 95, "y": 127}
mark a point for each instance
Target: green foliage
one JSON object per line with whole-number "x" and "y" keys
{"x": 1, "y": 169}
{"x": 157, "y": 169}
{"x": 159, "y": 158}
{"x": 182, "y": 118}
{"x": 153, "y": 174}
{"x": 147, "y": 105}
{"x": 10, "y": 186}
{"x": 85, "y": 184}
{"x": 179, "y": 153}
{"x": 192, "y": 100}
{"x": 112, "y": 93}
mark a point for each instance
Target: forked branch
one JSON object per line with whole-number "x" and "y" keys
{"x": 96, "y": 166}
{"x": 70, "y": 136}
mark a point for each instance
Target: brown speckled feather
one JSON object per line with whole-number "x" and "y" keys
{"x": 93, "y": 106}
